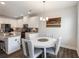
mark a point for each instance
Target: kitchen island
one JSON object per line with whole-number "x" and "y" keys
{"x": 11, "y": 42}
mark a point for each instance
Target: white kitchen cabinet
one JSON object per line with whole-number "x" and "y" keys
{"x": 12, "y": 44}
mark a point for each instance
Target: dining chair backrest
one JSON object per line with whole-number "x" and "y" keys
{"x": 50, "y": 35}
{"x": 28, "y": 48}
{"x": 58, "y": 43}
{"x": 33, "y": 36}
{"x": 2, "y": 44}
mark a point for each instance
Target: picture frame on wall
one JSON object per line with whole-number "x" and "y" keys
{"x": 53, "y": 22}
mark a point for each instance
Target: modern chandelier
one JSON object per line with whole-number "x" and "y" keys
{"x": 43, "y": 18}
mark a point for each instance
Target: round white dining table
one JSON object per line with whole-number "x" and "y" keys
{"x": 50, "y": 42}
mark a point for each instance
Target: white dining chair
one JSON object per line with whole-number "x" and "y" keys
{"x": 54, "y": 50}
{"x": 32, "y": 36}
{"x": 29, "y": 50}
{"x": 50, "y": 35}
{"x": 2, "y": 45}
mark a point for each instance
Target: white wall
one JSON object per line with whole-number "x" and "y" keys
{"x": 78, "y": 31}
{"x": 68, "y": 29}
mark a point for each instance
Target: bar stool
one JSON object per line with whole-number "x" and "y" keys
{"x": 2, "y": 44}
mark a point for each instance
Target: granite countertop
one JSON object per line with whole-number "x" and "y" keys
{"x": 31, "y": 32}
{"x": 8, "y": 35}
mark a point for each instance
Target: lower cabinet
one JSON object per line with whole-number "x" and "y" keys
{"x": 12, "y": 44}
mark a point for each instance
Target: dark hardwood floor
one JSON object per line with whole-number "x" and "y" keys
{"x": 63, "y": 53}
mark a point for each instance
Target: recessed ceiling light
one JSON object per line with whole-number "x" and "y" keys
{"x": 2, "y": 3}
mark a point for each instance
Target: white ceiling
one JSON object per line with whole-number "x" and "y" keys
{"x": 19, "y": 8}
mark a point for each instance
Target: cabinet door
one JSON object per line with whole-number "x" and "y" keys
{"x": 13, "y": 44}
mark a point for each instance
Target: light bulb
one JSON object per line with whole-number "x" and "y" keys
{"x": 46, "y": 18}
{"x": 41, "y": 18}
{"x": 29, "y": 12}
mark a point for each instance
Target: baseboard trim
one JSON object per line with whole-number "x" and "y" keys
{"x": 73, "y": 48}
